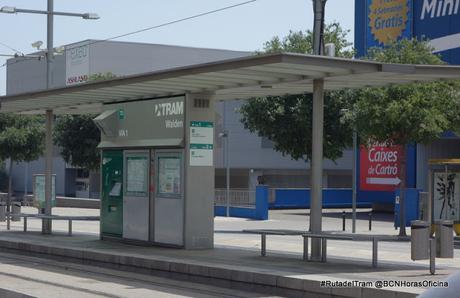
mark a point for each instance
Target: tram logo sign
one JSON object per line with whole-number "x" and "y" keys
{"x": 169, "y": 108}
{"x": 380, "y": 167}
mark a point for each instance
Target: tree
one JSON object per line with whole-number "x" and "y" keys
{"x": 287, "y": 120}
{"x": 21, "y": 139}
{"x": 78, "y": 137}
{"x": 302, "y": 42}
{"x": 415, "y": 113}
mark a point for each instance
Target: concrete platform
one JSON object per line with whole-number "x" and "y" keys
{"x": 236, "y": 260}
{"x": 244, "y": 269}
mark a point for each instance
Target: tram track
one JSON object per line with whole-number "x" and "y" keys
{"x": 92, "y": 281}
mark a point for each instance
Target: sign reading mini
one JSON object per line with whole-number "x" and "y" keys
{"x": 388, "y": 20}
{"x": 439, "y": 22}
{"x": 380, "y": 167}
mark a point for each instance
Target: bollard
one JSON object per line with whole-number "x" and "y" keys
{"x": 444, "y": 239}
{"x": 370, "y": 221}
{"x": 2, "y": 211}
{"x": 15, "y": 209}
{"x": 343, "y": 220}
{"x": 420, "y": 240}
{"x": 432, "y": 256}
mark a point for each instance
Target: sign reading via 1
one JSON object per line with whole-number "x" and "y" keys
{"x": 380, "y": 167}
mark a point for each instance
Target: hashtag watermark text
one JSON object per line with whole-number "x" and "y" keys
{"x": 379, "y": 284}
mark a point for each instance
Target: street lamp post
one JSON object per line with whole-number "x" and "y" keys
{"x": 354, "y": 178}
{"x": 46, "y": 227}
{"x": 317, "y": 136}
{"x": 224, "y": 135}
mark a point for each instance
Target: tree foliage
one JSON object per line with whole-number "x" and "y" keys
{"x": 415, "y": 113}
{"x": 21, "y": 137}
{"x": 287, "y": 120}
{"x": 302, "y": 42}
{"x": 78, "y": 136}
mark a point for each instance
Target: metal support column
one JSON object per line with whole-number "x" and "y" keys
{"x": 46, "y": 223}
{"x": 432, "y": 256}
{"x": 305, "y": 248}
{"x": 263, "y": 248}
{"x": 354, "y": 179}
{"x": 227, "y": 173}
{"x": 46, "y": 227}
{"x": 375, "y": 244}
{"x": 49, "y": 45}
{"x": 318, "y": 26}
{"x": 317, "y": 167}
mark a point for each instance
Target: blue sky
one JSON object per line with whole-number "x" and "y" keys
{"x": 243, "y": 28}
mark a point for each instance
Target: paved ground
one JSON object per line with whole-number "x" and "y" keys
{"x": 47, "y": 278}
{"x": 236, "y": 251}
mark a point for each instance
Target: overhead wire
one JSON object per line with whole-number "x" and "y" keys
{"x": 148, "y": 28}
{"x": 11, "y": 48}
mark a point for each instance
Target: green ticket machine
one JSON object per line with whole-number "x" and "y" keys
{"x": 112, "y": 198}
{"x": 157, "y": 171}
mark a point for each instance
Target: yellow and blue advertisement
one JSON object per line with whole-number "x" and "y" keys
{"x": 388, "y": 20}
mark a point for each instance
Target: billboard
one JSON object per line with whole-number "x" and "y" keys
{"x": 446, "y": 195}
{"x": 379, "y": 21}
{"x": 77, "y": 64}
{"x": 143, "y": 123}
{"x": 439, "y": 21}
{"x": 380, "y": 167}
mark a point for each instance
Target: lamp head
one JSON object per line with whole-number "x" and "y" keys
{"x": 37, "y": 44}
{"x": 90, "y": 16}
{"x": 8, "y": 9}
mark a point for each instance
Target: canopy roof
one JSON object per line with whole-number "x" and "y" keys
{"x": 448, "y": 161}
{"x": 241, "y": 78}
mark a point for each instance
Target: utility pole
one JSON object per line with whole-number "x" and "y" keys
{"x": 46, "y": 227}
{"x": 318, "y": 26}
{"x": 354, "y": 179}
{"x": 317, "y": 136}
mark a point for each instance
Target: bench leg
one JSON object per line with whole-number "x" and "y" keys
{"x": 263, "y": 247}
{"x": 305, "y": 248}
{"x": 375, "y": 245}
{"x": 25, "y": 224}
{"x": 324, "y": 250}
{"x": 70, "y": 227}
{"x": 8, "y": 224}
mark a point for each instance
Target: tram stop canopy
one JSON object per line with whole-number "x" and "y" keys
{"x": 241, "y": 78}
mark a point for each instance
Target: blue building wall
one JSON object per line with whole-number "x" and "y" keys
{"x": 259, "y": 211}
{"x": 332, "y": 198}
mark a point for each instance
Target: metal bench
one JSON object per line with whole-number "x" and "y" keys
{"x": 70, "y": 219}
{"x": 263, "y": 236}
{"x": 324, "y": 237}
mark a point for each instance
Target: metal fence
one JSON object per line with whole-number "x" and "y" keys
{"x": 238, "y": 197}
